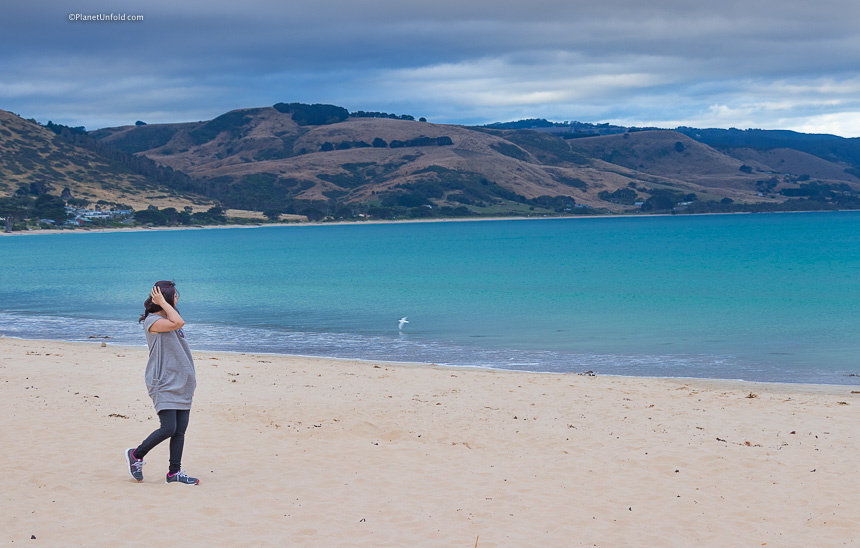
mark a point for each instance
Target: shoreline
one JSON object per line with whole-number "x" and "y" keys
{"x": 321, "y": 452}
{"x": 394, "y": 221}
{"x": 715, "y": 383}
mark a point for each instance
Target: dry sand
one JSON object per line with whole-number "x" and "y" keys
{"x": 294, "y": 451}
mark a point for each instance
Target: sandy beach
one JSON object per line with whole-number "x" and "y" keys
{"x": 296, "y": 223}
{"x": 295, "y": 451}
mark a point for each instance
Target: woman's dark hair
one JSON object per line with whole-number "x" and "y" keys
{"x": 168, "y": 289}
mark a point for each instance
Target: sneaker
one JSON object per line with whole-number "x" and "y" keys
{"x": 181, "y": 477}
{"x": 135, "y": 466}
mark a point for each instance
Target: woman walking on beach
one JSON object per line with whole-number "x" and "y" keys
{"x": 170, "y": 380}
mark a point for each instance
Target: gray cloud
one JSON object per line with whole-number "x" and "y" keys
{"x": 760, "y": 63}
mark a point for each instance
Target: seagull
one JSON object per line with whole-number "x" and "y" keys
{"x": 402, "y": 321}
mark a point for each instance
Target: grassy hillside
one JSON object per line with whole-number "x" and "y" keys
{"x": 246, "y": 157}
{"x": 35, "y": 160}
{"x": 261, "y": 158}
{"x": 319, "y": 161}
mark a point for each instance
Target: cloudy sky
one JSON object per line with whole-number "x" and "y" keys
{"x": 773, "y": 64}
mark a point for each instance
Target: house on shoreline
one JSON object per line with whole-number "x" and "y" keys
{"x": 82, "y": 217}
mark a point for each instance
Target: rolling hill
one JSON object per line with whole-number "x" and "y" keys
{"x": 261, "y": 157}
{"x": 35, "y": 160}
{"x": 320, "y": 161}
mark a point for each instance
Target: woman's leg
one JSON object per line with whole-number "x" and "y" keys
{"x": 177, "y": 440}
{"x": 167, "y": 430}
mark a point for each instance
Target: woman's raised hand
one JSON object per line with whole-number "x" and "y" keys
{"x": 157, "y": 297}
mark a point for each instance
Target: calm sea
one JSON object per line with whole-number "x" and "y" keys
{"x": 754, "y": 297}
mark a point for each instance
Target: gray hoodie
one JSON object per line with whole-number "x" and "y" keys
{"x": 169, "y": 375}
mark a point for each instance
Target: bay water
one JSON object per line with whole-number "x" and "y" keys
{"x": 770, "y": 297}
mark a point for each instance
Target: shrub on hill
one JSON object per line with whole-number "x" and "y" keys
{"x": 144, "y": 138}
{"x": 528, "y": 123}
{"x": 343, "y": 145}
{"x": 363, "y": 114}
{"x": 261, "y": 191}
{"x": 547, "y": 148}
{"x": 558, "y": 204}
{"x": 575, "y": 182}
{"x": 471, "y": 185}
{"x": 511, "y": 150}
{"x": 231, "y": 122}
{"x": 624, "y": 196}
{"x": 819, "y": 190}
{"x": 313, "y": 115}
{"x": 422, "y": 142}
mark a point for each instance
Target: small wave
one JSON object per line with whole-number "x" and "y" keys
{"x": 395, "y": 349}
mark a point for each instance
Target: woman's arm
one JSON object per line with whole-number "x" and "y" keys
{"x": 172, "y": 322}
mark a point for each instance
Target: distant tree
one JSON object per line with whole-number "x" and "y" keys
{"x": 766, "y": 186}
{"x": 559, "y": 204}
{"x": 313, "y": 115}
{"x": 422, "y": 142}
{"x": 659, "y": 202}
{"x": 745, "y": 168}
{"x": 171, "y": 215}
{"x": 77, "y": 202}
{"x": 380, "y": 212}
{"x": 344, "y": 212}
{"x": 139, "y": 123}
{"x": 679, "y": 146}
{"x": 379, "y": 143}
{"x": 460, "y": 211}
{"x": 213, "y": 215}
{"x": 313, "y": 214}
{"x": 422, "y": 119}
{"x": 272, "y": 214}
{"x": 727, "y": 201}
{"x": 391, "y": 116}
{"x": 35, "y": 188}
{"x": 150, "y": 217}
{"x": 626, "y": 196}
{"x": 15, "y": 208}
{"x": 326, "y": 147}
{"x": 414, "y": 199}
{"x": 59, "y": 129}
{"x": 420, "y": 212}
{"x": 50, "y": 207}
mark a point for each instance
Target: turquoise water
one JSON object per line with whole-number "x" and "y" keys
{"x": 754, "y": 297}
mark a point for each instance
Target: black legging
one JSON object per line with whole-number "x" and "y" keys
{"x": 173, "y": 425}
